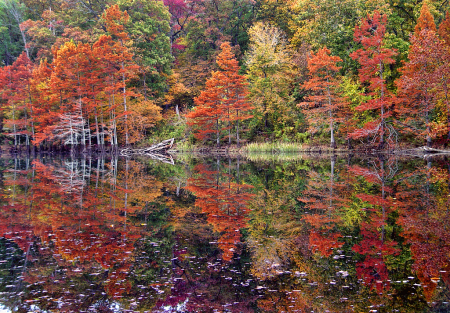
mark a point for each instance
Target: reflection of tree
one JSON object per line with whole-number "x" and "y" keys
{"x": 422, "y": 200}
{"x": 323, "y": 197}
{"x": 88, "y": 230}
{"x": 300, "y": 275}
{"x": 370, "y": 269}
{"x": 100, "y": 239}
{"x": 274, "y": 226}
{"x": 224, "y": 201}
{"x": 79, "y": 211}
{"x": 207, "y": 275}
{"x": 272, "y": 233}
{"x": 376, "y": 245}
{"x": 317, "y": 235}
{"x": 375, "y": 249}
{"x": 342, "y": 247}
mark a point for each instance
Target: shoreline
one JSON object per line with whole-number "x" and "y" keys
{"x": 249, "y": 151}
{"x": 242, "y": 151}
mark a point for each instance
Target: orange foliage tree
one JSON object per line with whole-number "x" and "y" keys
{"x": 118, "y": 55}
{"x": 222, "y": 102}
{"x": 16, "y": 92}
{"x": 82, "y": 94}
{"x": 423, "y": 75}
{"x": 321, "y": 106}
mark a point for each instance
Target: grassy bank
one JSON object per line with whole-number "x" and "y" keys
{"x": 276, "y": 151}
{"x": 288, "y": 147}
{"x": 272, "y": 147}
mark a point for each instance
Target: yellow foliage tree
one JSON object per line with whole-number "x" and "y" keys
{"x": 270, "y": 73}
{"x": 143, "y": 116}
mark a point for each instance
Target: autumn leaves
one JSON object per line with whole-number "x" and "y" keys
{"x": 106, "y": 85}
{"x": 422, "y": 86}
{"x": 82, "y": 97}
{"x": 222, "y": 104}
{"x": 414, "y": 105}
{"x": 261, "y": 95}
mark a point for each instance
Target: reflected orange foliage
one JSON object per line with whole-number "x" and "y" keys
{"x": 84, "y": 228}
{"x": 224, "y": 202}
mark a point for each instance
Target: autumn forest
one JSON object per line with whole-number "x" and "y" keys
{"x": 88, "y": 224}
{"x": 98, "y": 75}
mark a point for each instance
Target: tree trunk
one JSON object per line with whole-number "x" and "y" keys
{"x": 97, "y": 128}
{"x": 333, "y": 143}
{"x": 218, "y": 135}
{"x": 14, "y": 128}
{"x": 237, "y": 133}
{"x": 382, "y": 109}
{"x": 125, "y": 105}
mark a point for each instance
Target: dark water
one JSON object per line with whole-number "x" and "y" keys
{"x": 304, "y": 234}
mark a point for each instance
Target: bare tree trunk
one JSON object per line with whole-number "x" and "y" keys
{"x": 427, "y": 117}
{"x": 14, "y": 128}
{"x": 237, "y": 133}
{"x": 333, "y": 143}
{"x": 89, "y": 132}
{"x": 31, "y": 113}
{"x": 96, "y": 128}
{"x": 14, "y": 11}
{"x": 218, "y": 134}
{"x": 382, "y": 108}
{"x": 102, "y": 137}
{"x": 27, "y": 137}
{"x": 116, "y": 142}
{"x": 125, "y": 105}
{"x": 83, "y": 135}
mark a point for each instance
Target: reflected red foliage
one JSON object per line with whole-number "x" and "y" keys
{"x": 224, "y": 202}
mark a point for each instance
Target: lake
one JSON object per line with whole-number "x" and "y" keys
{"x": 283, "y": 233}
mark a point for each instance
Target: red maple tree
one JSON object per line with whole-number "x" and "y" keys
{"x": 373, "y": 58}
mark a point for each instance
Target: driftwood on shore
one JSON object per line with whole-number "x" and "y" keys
{"x": 156, "y": 151}
{"x": 424, "y": 152}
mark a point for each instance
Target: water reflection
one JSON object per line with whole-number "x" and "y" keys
{"x": 224, "y": 199}
{"x": 314, "y": 234}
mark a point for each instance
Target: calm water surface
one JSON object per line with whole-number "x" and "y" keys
{"x": 296, "y": 234}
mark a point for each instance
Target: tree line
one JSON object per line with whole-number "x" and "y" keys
{"x": 104, "y": 74}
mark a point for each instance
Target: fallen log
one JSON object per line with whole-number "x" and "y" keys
{"x": 154, "y": 149}
{"x": 433, "y": 150}
{"x": 160, "y": 157}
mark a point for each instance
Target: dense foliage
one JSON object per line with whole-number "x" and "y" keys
{"x": 105, "y": 73}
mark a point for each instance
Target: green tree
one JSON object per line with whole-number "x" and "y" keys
{"x": 12, "y": 37}
{"x": 148, "y": 29}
